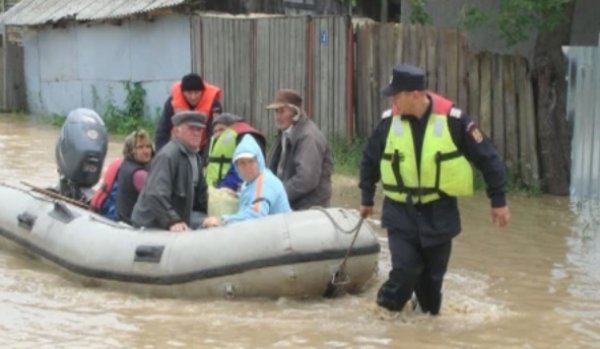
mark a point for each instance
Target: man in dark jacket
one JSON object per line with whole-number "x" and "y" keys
{"x": 300, "y": 155}
{"x": 175, "y": 185}
{"x": 420, "y": 155}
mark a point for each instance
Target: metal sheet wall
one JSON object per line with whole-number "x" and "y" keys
{"x": 583, "y": 110}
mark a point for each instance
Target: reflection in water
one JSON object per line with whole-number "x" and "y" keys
{"x": 532, "y": 285}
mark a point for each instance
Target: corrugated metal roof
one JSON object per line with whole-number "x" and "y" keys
{"x": 37, "y": 12}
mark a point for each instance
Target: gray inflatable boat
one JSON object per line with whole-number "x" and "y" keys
{"x": 290, "y": 255}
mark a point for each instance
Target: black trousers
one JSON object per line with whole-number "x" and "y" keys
{"x": 415, "y": 268}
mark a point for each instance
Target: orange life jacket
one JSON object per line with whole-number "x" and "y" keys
{"x": 210, "y": 94}
{"x": 108, "y": 180}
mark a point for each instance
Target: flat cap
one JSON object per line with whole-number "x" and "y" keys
{"x": 189, "y": 117}
{"x": 286, "y": 97}
{"x": 405, "y": 77}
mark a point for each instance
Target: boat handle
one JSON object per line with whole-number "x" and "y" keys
{"x": 26, "y": 220}
{"x": 148, "y": 253}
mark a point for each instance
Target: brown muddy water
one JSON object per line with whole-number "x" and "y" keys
{"x": 535, "y": 284}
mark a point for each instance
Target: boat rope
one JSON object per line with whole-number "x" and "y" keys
{"x": 335, "y": 223}
{"x": 340, "y": 277}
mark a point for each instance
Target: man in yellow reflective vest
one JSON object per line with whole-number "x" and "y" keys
{"x": 421, "y": 155}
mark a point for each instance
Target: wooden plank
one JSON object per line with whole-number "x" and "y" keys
{"x": 485, "y": 92}
{"x": 529, "y": 166}
{"x": 510, "y": 116}
{"x": 364, "y": 74}
{"x": 422, "y": 47}
{"x": 451, "y": 53}
{"x": 463, "y": 75}
{"x": 431, "y": 66}
{"x": 473, "y": 89}
{"x": 442, "y": 58}
{"x": 341, "y": 62}
{"x": 261, "y": 83}
{"x": 412, "y": 51}
{"x": 498, "y": 106}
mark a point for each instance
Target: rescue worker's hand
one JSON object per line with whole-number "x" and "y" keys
{"x": 211, "y": 222}
{"x": 366, "y": 211}
{"x": 500, "y": 216}
{"x": 178, "y": 227}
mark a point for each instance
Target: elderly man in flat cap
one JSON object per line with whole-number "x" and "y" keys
{"x": 175, "y": 186}
{"x": 421, "y": 155}
{"x": 300, "y": 155}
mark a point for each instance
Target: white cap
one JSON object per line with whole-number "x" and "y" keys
{"x": 246, "y": 155}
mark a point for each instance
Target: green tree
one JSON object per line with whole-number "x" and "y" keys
{"x": 516, "y": 20}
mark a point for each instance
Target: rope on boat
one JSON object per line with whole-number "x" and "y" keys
{"x": 336, "y": 225}
{"x": 340, "y": 277}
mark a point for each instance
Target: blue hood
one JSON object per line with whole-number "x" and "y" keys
{"x": 249, "y": 145}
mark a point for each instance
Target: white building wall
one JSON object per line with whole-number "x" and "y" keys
{"x": 87, "y": 65}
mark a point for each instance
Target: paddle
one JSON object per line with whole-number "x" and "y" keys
{"x": 55, "y": 195}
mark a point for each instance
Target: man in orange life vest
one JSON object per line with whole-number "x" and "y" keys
{"x": 191, "y": 93}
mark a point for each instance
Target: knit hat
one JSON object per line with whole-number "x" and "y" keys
{"x": 192, "y": 82}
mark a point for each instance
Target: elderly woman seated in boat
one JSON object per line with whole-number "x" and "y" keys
{"x": 137, "y": 153}
{"x": 262, "y": 193}
{"x": 124, "y": 178}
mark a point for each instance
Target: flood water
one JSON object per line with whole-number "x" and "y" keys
{"x": 535, "y": 284}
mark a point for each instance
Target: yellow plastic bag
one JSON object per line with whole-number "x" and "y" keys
{"x": 221, "y": 201}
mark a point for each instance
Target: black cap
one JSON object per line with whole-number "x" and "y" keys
{"x": 192, "y": 82}
{"x": 190, "y": 118}
{"x": 405, "y": 77}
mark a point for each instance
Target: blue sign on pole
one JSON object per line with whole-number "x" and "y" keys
{"x": 323, "y": 38}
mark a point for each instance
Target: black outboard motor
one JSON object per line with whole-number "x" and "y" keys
{"x": 80, "y": 153}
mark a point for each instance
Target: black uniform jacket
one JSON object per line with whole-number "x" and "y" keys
{"x": 438, "y": 221}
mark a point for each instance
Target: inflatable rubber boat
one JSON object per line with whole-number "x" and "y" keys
{"x": 293, "y": 255}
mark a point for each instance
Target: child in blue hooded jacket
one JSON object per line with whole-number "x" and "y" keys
{"x": 262, "y": 193}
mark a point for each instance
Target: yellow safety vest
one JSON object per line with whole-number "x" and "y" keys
{"x": 220, "y": 155}
{"x": 443, "y": 169}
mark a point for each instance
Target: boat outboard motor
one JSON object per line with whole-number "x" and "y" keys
{"x": 80, "y": 153}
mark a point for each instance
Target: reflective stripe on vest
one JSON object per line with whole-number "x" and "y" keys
{"x": 443, "y": 169}
{"x": 220, "y": 156}
{"x": 210, "y": 94}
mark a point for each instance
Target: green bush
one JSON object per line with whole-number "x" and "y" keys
{"x": 131, "y": 117}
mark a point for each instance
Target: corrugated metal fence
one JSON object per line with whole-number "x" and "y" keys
{"x": 583, "y": 110}
{"x": 253, "y": 58}
{"x": 2, "y": 70}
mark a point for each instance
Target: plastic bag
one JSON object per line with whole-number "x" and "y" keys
{"x": 221, "y": 202}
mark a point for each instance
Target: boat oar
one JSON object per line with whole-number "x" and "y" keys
{"x": 335, "y": 287}
{"x": 55, "y": 195}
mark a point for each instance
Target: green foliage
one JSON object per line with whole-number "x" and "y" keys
{"x": 472, "y": 18}
{"x": 418, "y": 14}
{"x": 346, "y": 157}
{"x": 131, "y": 117}
{"x": 57, "y": 120}
{"x": 517, "y": 19}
